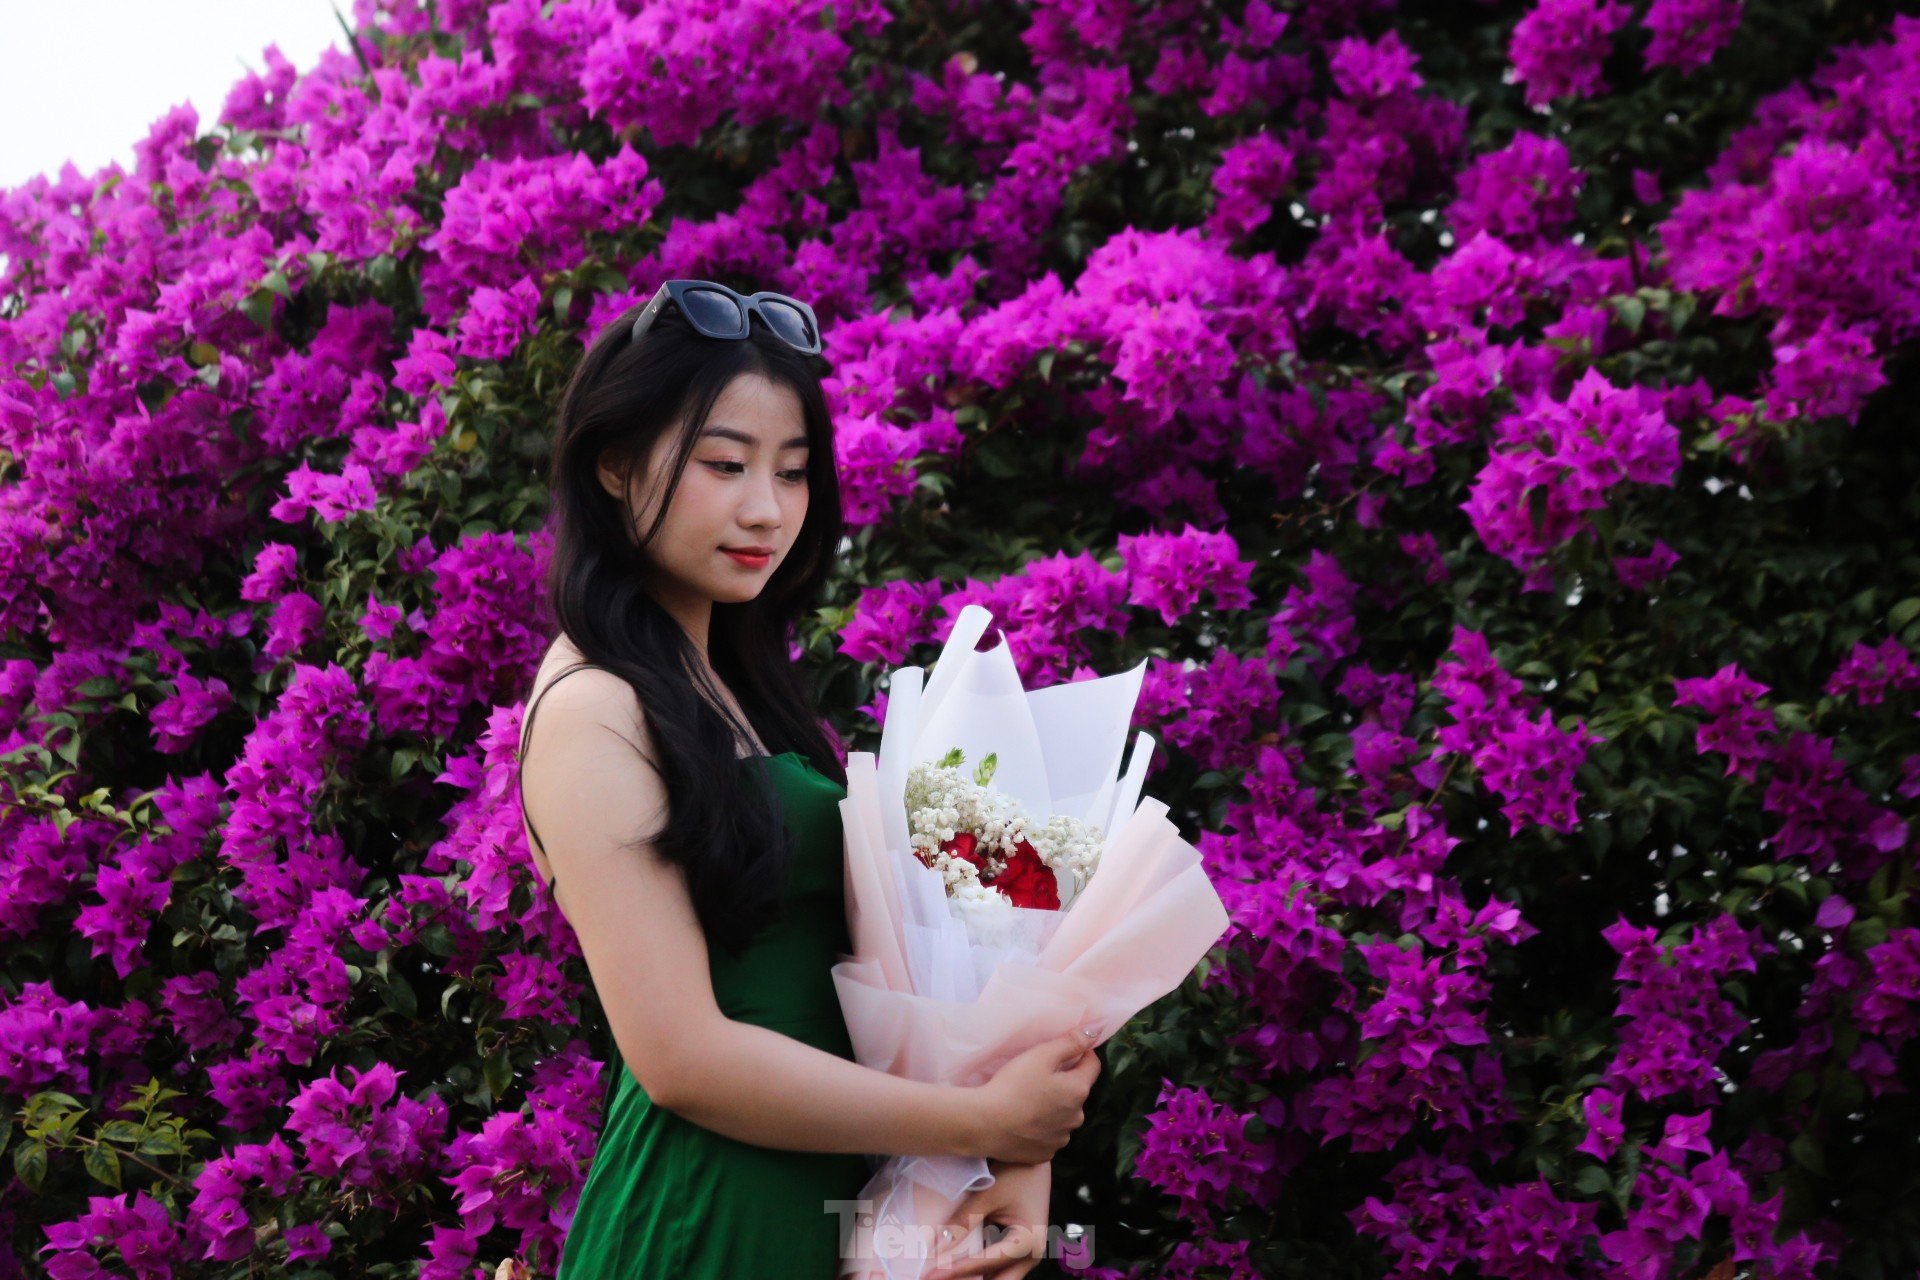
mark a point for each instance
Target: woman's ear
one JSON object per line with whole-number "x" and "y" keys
{"x": 613, "y": 475}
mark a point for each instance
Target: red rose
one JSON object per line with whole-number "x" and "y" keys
{"x": 1027, "y": 880}
{"x": 964, "y": 847}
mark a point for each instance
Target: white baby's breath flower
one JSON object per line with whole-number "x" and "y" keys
{"x": 945, "y": 800}
{"x": 986, "y": 913}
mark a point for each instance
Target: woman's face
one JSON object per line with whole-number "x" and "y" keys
{"x": 745, "y": 488}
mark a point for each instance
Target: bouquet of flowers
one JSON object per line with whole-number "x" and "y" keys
{"x": 986, "y": 849}
{"x": 992, "y": 909}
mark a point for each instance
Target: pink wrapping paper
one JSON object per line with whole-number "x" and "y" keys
{"x": 1143, "y": 921}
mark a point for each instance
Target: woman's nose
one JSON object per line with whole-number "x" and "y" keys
{"x": 762, "y": 503}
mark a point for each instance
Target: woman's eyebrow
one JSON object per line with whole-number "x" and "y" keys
{"x": 728, "y": 433}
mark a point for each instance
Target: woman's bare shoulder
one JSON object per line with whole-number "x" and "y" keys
{"x": 562, "y": 659}
{"x": 584, "y": 693}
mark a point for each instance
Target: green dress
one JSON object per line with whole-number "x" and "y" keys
{"x": 665, "y": 1197}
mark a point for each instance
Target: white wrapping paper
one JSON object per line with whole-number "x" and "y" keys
{"x": 924, "y": 1001}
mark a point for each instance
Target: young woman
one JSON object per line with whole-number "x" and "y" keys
{"x": 686, "y": 806}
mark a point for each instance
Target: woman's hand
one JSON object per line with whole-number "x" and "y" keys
{"x": 1034, "y": 1103}
{"x": 1017, "y": 1201}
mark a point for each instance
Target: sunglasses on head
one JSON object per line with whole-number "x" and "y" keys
{"x": 718, "y": 312}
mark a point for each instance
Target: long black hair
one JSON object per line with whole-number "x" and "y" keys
{"x": 723, "y": 829}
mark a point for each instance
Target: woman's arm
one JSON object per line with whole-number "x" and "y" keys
{"x": 590, "y": 794}
{"x": 756, "y": 1085}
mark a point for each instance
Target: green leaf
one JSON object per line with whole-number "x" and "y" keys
{"x": 1633, "y": 313}
{"x": 999, "y": 466}
{"x": 1593, "y": 1180}
{"x": 398, "y": 996}
{"x": 1682, "y": 311}
{"x": 499, "y": 1072}
{"x": 257, "y": 306}
{"x": 103, "y": 1165}
{"x": 1632, "y": 825}
{"x": 1806, "y": 1152}
{"x": 607, "y": 279}
{"x": 1599, "y": 838}
{"x": 30, "y": 1163}
{"x": 403, "y": 759}
{"x": 164, "y": 1143}
{"x": 1842, "y": 1091}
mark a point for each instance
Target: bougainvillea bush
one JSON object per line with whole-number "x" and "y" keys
{"x": 1489, "y": 421}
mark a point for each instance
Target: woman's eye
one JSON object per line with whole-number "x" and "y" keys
{"x": 735, "y": 468}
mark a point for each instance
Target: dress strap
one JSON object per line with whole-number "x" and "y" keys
{"x": 526, "y": 735}
{"x": 612, "y": 1055}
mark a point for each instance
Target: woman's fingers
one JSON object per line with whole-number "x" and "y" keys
{"x": 954, "y": 1230}
{"x": 1015, "y": 1269}
{"x": 1020, "y": 1247}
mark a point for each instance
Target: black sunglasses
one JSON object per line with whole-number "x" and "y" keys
{"x": 718, "y": 312}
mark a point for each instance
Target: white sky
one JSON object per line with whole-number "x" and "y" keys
{"x": 85, "y": 79}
